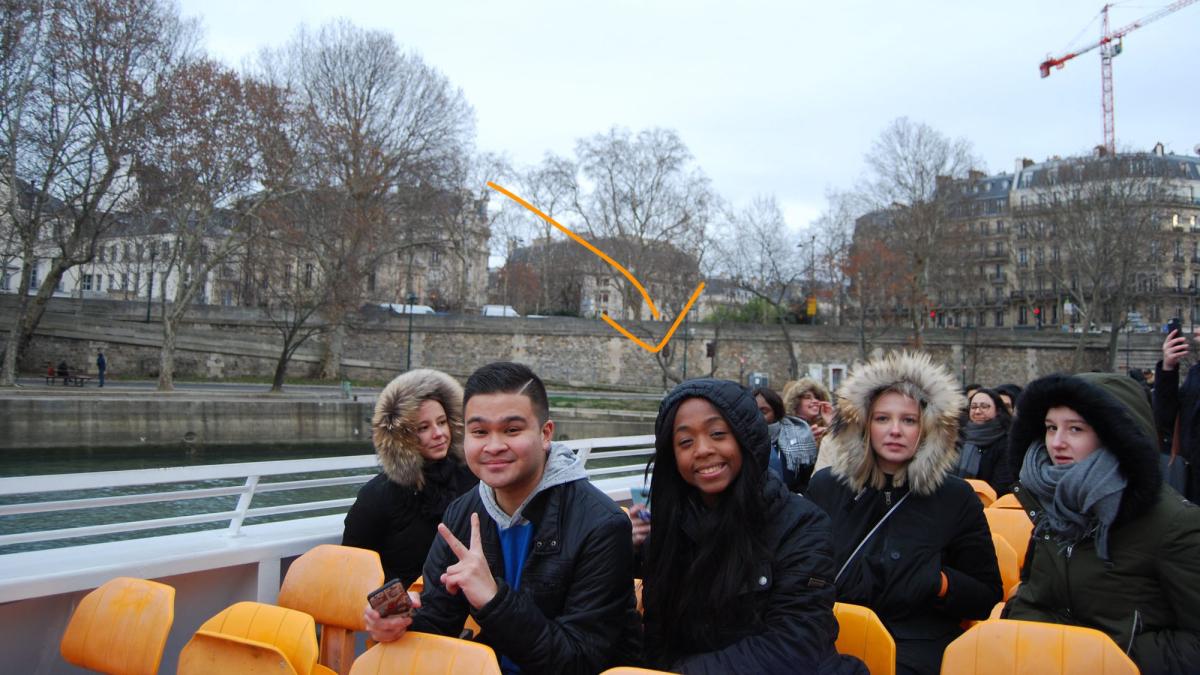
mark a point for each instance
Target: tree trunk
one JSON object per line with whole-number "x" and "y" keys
{"x": 331, "y": 362}
{"x": 793, "y": 362}
{"x": 12, "y": 344}
{"x": 29, "y": 315}
{"x": 166, "y": 355}
{"x": 280, "y": 370}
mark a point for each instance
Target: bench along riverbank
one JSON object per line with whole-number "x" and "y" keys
{"x": 49, "y": 419}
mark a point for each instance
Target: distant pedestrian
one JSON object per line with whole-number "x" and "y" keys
{"x": 64, "y": 371}
{"x": 101, "y": 366}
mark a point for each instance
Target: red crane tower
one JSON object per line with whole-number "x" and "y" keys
{"x": 1110, "y": 45}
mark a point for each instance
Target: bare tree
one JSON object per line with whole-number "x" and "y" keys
{"x": 834, "y": 236}
{"x": 909, "y": 164}
{"x": 205, "y": 160}
{"x": 382, "y": 129}
{"x": 551, "y": 187}
{"x": 757, "y": 252}
{"x": 644, "y": 190}
{"x": 1090, "y": 232}
{"x": 80, "y": 82}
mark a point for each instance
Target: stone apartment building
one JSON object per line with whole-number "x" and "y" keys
{"x": 1004, "y": 254}
{"x": 446, "y": 269}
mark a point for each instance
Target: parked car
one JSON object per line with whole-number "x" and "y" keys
{"x": 499, "y": 310}
{"x": 407, "y": 309}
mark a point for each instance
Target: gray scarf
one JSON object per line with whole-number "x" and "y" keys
{"x": 562, "y": 466}
{"x": 792, "y": 436}
{"x": 1077, "y": 499}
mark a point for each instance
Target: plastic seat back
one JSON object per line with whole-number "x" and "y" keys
{"x": 1003, "y": 646}
{"x": 427, "y": 654}
{"x": 1014, "y": 526}
{"x": 121, "y": 627}
{"x": 293, "y": 633}
{"x": 208, "y": 653}
{"x": 1010, "y": 567}
{"x": 629, "y": 670}
{"x": 1006, "y": 501}
{"x": 862, "y": 634}
{"x": 985, "y": 492}
{"x": 331, "y": 584}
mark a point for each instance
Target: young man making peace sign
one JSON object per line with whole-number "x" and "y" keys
{"x": 547, "y": 572}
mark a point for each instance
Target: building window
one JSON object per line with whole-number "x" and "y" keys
{"x": 1023, "y": 257}
{"x": 86, "y": 283}
{"x": 308, "y": 275}
{"x": 435, "y": 257}
{"x": 1054, "y": 253}
{"x": 33, "y": 277}
{"x": 124, "y": 281}
{"x": 1022, "y": 316}
{"x": 371, "y": 282}
{"x": 999, "y": 318}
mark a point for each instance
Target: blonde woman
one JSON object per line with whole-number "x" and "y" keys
{"x": 909, "y": 538}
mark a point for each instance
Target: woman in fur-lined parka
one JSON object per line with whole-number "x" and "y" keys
{"x": 930, "y": 564}
{"x": 418, "y": 433}
{"x": 1113, "y": 548}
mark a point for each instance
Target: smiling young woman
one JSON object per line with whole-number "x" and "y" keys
{"x": 418, "y": 434}
{"x": 739, "y": 576}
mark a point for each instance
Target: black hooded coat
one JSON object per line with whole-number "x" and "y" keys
{"x": 1147, "y": 595}
{"x": 397, "y": 512}
{"x": 789, "y": 591}
{"x": 939, "y": 529}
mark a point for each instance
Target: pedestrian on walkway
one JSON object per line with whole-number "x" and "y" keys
{"x": 101, "y": 366}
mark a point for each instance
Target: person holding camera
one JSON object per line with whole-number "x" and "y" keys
{"x": 1177, "y": 411}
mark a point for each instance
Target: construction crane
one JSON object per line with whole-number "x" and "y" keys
{"x": 1110, "y": 45}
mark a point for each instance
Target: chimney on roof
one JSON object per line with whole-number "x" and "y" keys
{"x": 1023, "y": 163}
{"x": 943, "y": 181}
{"x": 974, "y": 174}
{"x": 1159, "y": 150}
{"x": 1099, "y": 151}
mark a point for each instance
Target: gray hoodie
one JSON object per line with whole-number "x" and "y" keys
{"x": 562, "y": 466}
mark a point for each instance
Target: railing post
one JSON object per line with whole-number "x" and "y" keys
{"x": 243, "y": 505}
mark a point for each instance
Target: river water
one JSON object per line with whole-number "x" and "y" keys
{"x": 47, "y": 462}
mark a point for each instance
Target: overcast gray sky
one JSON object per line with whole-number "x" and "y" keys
{"x": 774, "y": 97}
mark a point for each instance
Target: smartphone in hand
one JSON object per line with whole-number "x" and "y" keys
{"x": 641, "y": 496}
{"x": 1175, "y": 324}
{"x": 391, "y": 599}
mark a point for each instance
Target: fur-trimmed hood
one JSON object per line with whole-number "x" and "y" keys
{"x": 853, "y": 462}
{"x": 1116, "y": 408}
{"x": 393, "y": 428}
{"x": 792, "y": 392}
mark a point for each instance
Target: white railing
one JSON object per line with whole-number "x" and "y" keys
{"x": 621, "y": 461}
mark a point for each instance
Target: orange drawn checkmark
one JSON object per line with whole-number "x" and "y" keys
{"x": 653, "y": 349}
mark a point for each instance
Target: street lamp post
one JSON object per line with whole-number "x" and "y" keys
{"x": 412, "y": 300}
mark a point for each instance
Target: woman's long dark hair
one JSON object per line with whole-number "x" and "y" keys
{"x": 687, "y": 581}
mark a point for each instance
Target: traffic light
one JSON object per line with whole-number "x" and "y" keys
{"x": 932, "y": 314}
{"x": 1037, "y": 315}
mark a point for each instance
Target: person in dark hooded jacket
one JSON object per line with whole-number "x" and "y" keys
{"x": 418, "y": 434}
{"x": 983, "y": 442}
{"x": 930, "y": 564}
{"x": 1113, "y": 548}
{"x": 739, "y": 574}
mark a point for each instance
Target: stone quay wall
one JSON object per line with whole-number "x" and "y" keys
{"x": 217, "y": 343}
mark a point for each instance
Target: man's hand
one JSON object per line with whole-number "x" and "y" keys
{"x": 1174, "y": 348}
{"x": 641, "y": 528}
{"x": 391, "y": 628}
{"x": 471, "y": 573}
